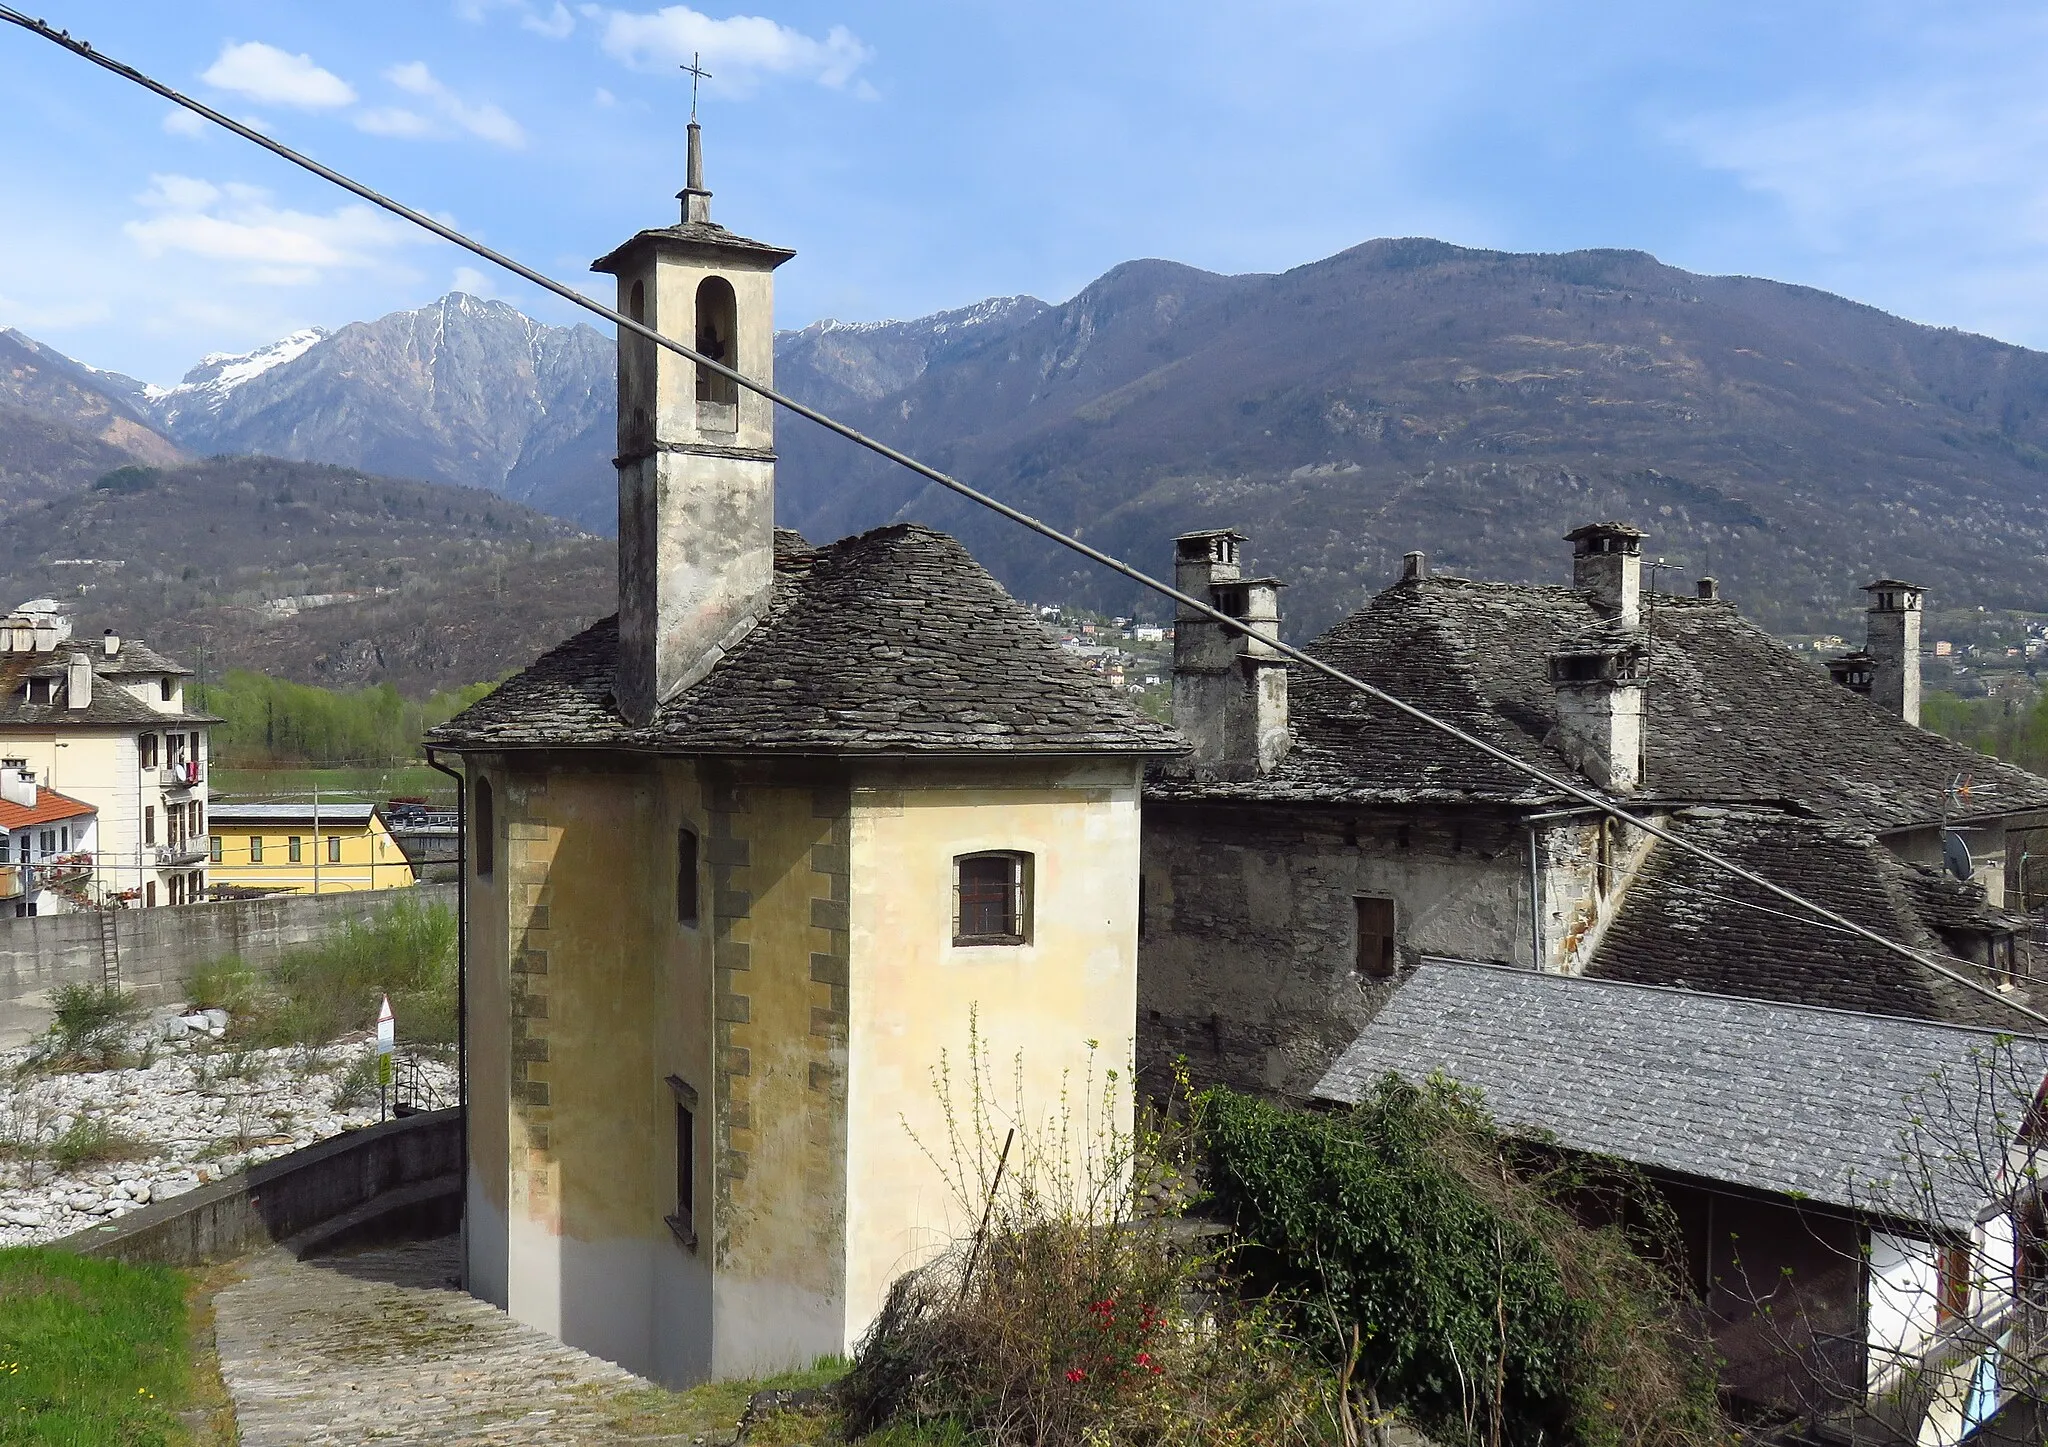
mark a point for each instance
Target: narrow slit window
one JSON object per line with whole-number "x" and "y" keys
{"x": 149, "y": 823}
{"x": 255, "y": 848}
{"x": 991, "y": 899}
{"x": 684, "y": 1220}
{"x": 1375, "y": 926}
{"x": 292, "y": 850}
{"x": 717, "y": 328}
{"x": 334, "y": 849}
{"x": 213, "y": 849}
{"x": 686, "y": 876}
{"x": 485, "y": 829}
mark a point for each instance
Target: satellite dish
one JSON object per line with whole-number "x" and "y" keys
{"x": 1956, "y": 855}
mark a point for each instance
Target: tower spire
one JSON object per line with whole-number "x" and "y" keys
{"x": 696, "y": 200}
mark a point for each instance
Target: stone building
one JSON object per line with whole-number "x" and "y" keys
{"x": 748, "y": 863}
{"x": 1318, "y": 846}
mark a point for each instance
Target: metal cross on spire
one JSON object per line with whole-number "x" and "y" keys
{"x": 697, "y": 73}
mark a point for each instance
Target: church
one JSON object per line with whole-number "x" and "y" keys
{"x": 749, "y": 862}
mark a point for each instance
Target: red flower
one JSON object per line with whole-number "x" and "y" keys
{"x": 1075, "y": 1374}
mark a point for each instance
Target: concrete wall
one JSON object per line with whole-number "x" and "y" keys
{"x": 158, "y": 947}
{"x": 282, "y": 1198}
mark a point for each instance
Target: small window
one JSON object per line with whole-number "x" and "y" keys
{"x": 166, "y": 686}
{"x": 149, "y": 823}
{"x": 195, "y": 887}
{"x": 147, "y": 744}
{"x": 485, "y": 829}
{"x": 255, "y": 848}
{"x": 684, "y": 1222}
{"x": 198, "y": 818}
{"x": 717, "y": 326}
{"x": 39, "y": 690}
{"x": 334, "y": 849}
{"x": 991, "y": 904}
{"x": 213, "y": 849}
{"x": 48, "y": 840}
{"x": 1375, "y": 924}
{"x": 149, "y": 895}
{"x": 686, "y": 876}
{"x": 292, "y": 850}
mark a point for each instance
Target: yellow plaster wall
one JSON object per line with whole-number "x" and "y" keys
{"x": 913, "y": 994}
{"x": 370, "y": 858}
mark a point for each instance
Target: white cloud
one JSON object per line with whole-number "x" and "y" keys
{"x": 555, "y": 23}
{"x": 394, "y": 121}
{"x": 739, "y": 51}
{"x": 180, "y": 122}
{"x": 265, "y": 73}
{"x": 482, "y": 120}
{"x": 604, "y": 98}
{"x": 239, "y": 224}
{"x": 476, "y": 283}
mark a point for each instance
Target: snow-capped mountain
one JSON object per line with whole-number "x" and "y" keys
{"x": 207, "y": 387}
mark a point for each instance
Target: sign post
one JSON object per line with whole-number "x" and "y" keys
{"x": 387, "y": 1042}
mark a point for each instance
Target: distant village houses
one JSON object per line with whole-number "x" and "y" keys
{"x": 104, "y": 723}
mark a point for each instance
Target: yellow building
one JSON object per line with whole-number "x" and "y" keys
{"x": 746, "y": 863}
{"x": 334, "y": 849}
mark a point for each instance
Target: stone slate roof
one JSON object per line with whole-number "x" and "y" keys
{"x": 706, "y": 234}
{"x": 1783, "y": 1098}
{"x": 1732, "y": 715}
{"x": 895, "y": 641}
{"x": 112, "y": 704}
{"x": 1684, "y": 923}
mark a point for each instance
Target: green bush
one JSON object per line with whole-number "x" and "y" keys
{"x": 1418, "y": 1253}
{"x": 90, "y": 1141}
{"x": 89, "y": 1028}
{"x": 92, "y": 1353}
{"x": 226, "y": 984}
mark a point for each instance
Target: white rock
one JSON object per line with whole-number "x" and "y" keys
{"x": 175, "y": 1028}
{"x": 216, "y": 1020}
{"x": 81, "y": 1201}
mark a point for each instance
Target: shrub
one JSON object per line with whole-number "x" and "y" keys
{"x": 1071, "y": 1315}
{"x": 1440, "y": 1270}
{"x": 324, "y": 990}
{"x": 88, "y": 1030}
{"x": 226, "y": 984}
{"x": 90, "y": 1141}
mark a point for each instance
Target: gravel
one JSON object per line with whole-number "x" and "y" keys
{"x": 199, "y": 1109}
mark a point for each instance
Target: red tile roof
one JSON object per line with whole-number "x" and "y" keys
{"x": 49, "y": 807}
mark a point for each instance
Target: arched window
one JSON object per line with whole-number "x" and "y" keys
{"x": 483, "y": 828}
{"x": 992, "y": 898}
{"x": 638, "y": 378}
{"x": 717, "y": 329}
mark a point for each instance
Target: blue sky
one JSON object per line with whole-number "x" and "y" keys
{"x": 927, "y": 153}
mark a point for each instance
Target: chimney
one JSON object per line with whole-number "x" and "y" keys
{"x": 1852, "y": 671}
{"x": 111, "y": 641}
{"x": 1708, "y": 590}
{"x": 16, "y": 635}
{"x": 1892, "y": 640}
{"x": 1229, "y": 688}
{"x": 18, "y": 786}
{"x": 1598, "y": 685}
{"x": 45, "y": 634}
{"x": 1607, "y": 561}
{"x": 1414, "y": 567}
{"x": 78, "y": 679}
{"x": 696, "y": 458}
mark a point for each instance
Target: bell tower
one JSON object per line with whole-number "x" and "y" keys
{"x": 696, "y": 458}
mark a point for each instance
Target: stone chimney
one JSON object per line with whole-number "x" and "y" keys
{"x": 1607, "y": 561}
{"x": 1414, "y": 567}
{"x": 1892, "y": 640}
{"x": 1598, "y": 685}
{"x": 1708, "y": 590}
{"x": 696, "y": 456}
{"x": 111, "y": 641}
{"x": 45, "y": 634}
{"x": 78, "y": 679}
{"x": 1229, "y": 688}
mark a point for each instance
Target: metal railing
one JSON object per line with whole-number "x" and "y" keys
{"x": 189, "y": 852}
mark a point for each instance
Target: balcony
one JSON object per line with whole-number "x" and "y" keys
{"x": 190, "y": 851}
{"x": 180, "y": 776}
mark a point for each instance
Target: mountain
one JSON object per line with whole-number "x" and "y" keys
{"x": 63, "y": 424}
{"x": 462, "y": 390}
{"x": 1474, "y": 404}
{"x": 315, "y": 573}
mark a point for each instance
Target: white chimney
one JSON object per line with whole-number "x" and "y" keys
{"x": 1229, "y": 687}
{"x": 1607, "y": 561}
{"x": 18, "y": 786}
{"x": 78, "y": 679}
{"x": 1892, "y": 640}
{"x": 1598, "y": 686}
{"x": 111, "y": 641}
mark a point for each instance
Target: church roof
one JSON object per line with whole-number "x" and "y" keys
{"x": 692, "y": 235}
{"x": 1686, "y": 924}
{"x": 1731, "y": 714}
{"x": 891, "y": 642}
{"x": 1812, "y": 1103}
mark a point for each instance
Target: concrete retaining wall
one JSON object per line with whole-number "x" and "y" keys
{"x": 159, "y": 947}
{"x": 291, "y": 1196}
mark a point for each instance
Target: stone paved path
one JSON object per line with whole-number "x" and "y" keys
{"x": 381, "y": 1347}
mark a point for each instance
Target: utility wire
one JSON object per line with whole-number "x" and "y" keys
{"x": 1045, "y": 530}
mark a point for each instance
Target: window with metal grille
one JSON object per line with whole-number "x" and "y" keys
{"x": 684, "y": 1221}
{"x": 686, "y": 876}
{"x": 991, "y": 899}
{"x": 1375, "y": 925}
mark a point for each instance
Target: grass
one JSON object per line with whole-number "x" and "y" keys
{"x": 413, "y": 781}
{"x": 91, "y": 1352}
{"x": 90, "y": 1142}
{"x": 322, "y": 991}
{"x": 716, "y": 1408}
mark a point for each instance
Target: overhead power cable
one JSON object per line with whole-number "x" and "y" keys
{"x": 1200, "y": 606}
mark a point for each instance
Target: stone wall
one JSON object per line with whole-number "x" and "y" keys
{"x": 156, "y": 948}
